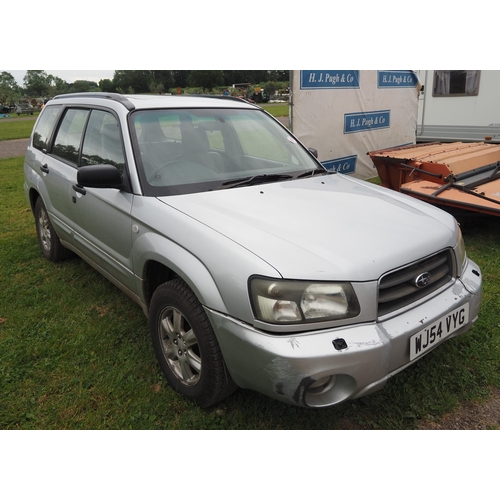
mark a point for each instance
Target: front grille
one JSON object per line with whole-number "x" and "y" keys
{"x": 399, "y": 289}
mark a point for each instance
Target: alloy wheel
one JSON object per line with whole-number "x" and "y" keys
{"x": 180, "y": 346}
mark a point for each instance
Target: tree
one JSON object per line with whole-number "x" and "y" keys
{"x": 106, "y": 85}
{"x": 161, "y": 79}
{"x": 37, "y": 82}
{"x": 84, "y": 86}
{"x": 279, "y": 75}
{"x": 137, "y": 80}
{"x": 143, "y": 80}
{"x": 270, "y": 88}
{"x": 157, "y": 88}
{"x": 180, "y": 77}
{"x": 206, "y": 79}
{"x": 8, "y": 82}
{"x": 59, "y": 86}
{"x": 9, "y": 89}
{"x": 245, "y": 76}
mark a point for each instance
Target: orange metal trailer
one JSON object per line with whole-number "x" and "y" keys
{"x": 458, "y": 175}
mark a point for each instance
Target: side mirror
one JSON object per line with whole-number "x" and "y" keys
{"x": 314, "y": 152}
{"x": 99, "y": 176}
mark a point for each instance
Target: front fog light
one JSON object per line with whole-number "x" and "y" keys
{"x": 321, "y": 385}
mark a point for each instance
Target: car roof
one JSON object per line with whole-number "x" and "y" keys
{"x": 138, "y": 101}
{"x": 190, "y": 101}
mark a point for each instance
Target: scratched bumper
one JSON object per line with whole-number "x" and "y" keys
{"x": 308, "y": 370}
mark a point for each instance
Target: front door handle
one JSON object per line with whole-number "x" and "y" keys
{"x": 44, "y": 169}
{"x": 79, "y": 189}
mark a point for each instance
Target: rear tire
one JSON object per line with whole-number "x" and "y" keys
{"x": 50, "y": 244}
{"x": 186, "y": 346}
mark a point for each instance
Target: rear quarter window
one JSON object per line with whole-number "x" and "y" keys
{"x": 44, "y": 127}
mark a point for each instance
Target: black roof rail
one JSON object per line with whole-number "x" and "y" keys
{"x": 100, "y": 95}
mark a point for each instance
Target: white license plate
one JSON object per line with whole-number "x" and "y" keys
{"x": 432, "y": 334}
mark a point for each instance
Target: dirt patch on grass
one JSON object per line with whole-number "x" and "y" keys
{"x": 470, "y": 416}
{"x": 13, "y": 148}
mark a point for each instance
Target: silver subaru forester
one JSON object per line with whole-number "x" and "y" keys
{"x": 257, "y": 267}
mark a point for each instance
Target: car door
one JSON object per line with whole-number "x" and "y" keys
{"x": 58, "y": 166}
{"x": 102, "y": 216}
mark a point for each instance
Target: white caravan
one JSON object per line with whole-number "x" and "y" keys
{"x": 459, "y": 105}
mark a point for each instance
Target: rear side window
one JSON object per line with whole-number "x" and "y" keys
{"x": 69, "y": 136}
{"x": 44, "y": 127}
{"x": 103, "y": 143}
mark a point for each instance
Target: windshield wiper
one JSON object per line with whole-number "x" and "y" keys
{"x": 253, "y": 180}
{"x": 315, "y": 171}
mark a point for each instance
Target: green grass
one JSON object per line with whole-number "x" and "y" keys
{"x": 12, "y": 129}
{"x": 276, "y": 109}
{"x": 75, "y": 352}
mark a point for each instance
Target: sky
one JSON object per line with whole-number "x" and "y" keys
{"x": 200, "y": 37}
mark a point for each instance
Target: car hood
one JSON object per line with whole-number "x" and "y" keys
{"x": 323, "y": 228}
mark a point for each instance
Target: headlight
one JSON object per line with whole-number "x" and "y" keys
{"x": 282, "y": 301}
{"x": 462, "y": 255}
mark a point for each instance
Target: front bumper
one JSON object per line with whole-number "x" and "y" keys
{"x": 309, "y": 369}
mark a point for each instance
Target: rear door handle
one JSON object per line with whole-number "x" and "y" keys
{"x": 79, "y": 189}
{"x": 44, "y": 169}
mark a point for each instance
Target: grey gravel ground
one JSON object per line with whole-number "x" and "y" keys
{"x": 11, "y": 149}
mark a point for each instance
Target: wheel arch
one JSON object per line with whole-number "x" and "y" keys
{"x": 157, "y": 269}
{"x": 155, "y": 274}
{"x": 33, "y": 195}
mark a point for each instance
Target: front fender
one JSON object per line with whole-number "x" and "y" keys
{"x": 215, "y": 267}
{"x": 155, "y": 247}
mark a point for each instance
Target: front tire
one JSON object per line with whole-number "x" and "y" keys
{"x": 186, "y": 346}
{"x": 50, "y": 244}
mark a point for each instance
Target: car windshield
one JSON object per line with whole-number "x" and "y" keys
{"x": 181, "y": 151}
